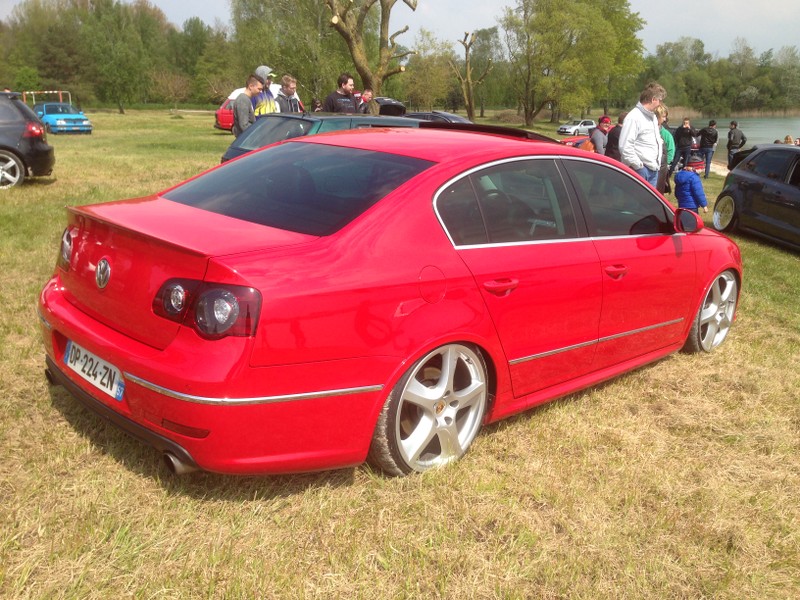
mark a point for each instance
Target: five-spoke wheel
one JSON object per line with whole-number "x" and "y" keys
{"x": 715, "y": 317}
{"x": 12, "y": 172}
{"x": 433, "y": 413}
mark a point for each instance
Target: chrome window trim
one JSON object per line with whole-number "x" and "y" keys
{"x": 481, "y": 167}
{"x": 608, "y": 338}
{"x": 257, "y": 400}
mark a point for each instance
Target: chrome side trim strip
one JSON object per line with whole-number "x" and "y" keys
{"x": 260, "y": 400}
{"x": 517, "y": 361}
{"x": 608, "y": 338}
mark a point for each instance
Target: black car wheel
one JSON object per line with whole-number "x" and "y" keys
{"x": 725, "y": 215}
{"x": 12, "y": 171}
{"x": 433, "y": 413}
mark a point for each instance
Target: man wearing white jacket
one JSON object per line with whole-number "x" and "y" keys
{"x": 640, "y": 139}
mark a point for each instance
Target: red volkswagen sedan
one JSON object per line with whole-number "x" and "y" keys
{"x": 373, "y": 295}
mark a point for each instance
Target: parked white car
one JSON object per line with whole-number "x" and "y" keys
{"x": 580, "y": 127}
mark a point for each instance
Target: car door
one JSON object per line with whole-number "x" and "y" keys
{"x": 771, "y": 193}
{"x": 648, "y": 270}
{"x": 516, "y": 229}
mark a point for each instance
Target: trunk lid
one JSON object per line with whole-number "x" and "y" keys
{"x": 146, "y": 242}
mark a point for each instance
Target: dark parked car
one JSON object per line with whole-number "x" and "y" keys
{"x": 438, "y": 116}
{"x": 283, "y": 126}
{"x": 762, "y": 195}
{"x": 23, "y": 142}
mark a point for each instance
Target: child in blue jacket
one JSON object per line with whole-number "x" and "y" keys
{"x": 689, "y": 190}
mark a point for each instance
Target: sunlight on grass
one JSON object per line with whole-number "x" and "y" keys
{"x": 679, "y": 480}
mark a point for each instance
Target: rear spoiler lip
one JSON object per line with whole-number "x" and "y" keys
{"x": 492, "y": 129}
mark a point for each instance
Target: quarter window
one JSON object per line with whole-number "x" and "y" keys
{"x": 770, "y": 164}
{"x": 618, "y": 204}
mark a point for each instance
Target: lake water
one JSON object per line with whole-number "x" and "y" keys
{"x": 757, "y": 130}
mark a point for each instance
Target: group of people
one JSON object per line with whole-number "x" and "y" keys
{"x": 642, "y": 141}
{"x": 262, "y": 97}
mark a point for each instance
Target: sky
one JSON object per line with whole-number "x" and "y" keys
{"x": 763, "y": 24}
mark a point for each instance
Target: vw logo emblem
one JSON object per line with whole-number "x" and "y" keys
{"x": 103, "y": 273}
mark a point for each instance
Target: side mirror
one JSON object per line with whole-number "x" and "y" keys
{"x": 39, "y": 113}
{"x": 687, "y": 221}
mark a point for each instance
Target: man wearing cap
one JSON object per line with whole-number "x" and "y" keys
{"x": 264, "y": 102}
{"x": 599, "y": 134}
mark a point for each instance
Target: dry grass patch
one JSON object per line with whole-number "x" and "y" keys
{"x": 679, "y": 480}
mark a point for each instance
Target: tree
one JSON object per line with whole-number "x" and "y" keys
{"x": 122, "y": 65}
{"x": 427, "y": 84}
{"x": 559, "y": 53}
{"x": 465, "y": 78}
{"x": 348, "y": 18}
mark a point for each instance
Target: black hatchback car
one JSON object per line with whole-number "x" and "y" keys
{"x": 277, "y": 127}
{"x": 762, "y": 195}
{"x": 23, "y": 142}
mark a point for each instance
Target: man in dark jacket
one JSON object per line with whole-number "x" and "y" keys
{"x": 612, "y": 143}
{"x": 708, "y": 143}
{"x": 684, "y": 138}
{"x": 736, "y": 140}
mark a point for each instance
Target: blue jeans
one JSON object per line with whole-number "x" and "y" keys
{"x": 707, "y": 153}
{"x": 649, "y": 176}
{"x": 681, "y": 153}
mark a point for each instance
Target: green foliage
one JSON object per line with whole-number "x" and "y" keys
{"x": 27, "y": 78}
{"x": 564, "y": 54}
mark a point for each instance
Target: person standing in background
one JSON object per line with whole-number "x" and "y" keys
{"x": 684, "y": 138}
{"x": 708, "y": 143}
{"x": 243, "y": 114}
{"x": 640, "y": 141}
{"x": 599, "y": 134}
{"x": 668, "y": 150}
{"x": 612, "y": 143}
{"x": 736, "y": 140}
{"x": 341, "y": 100}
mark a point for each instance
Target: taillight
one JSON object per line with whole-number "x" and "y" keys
{"x": 34, "y": 130}
{"x": 213, "y": 310}
{"x": 65, "y": 251}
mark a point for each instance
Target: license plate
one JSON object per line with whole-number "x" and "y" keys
{"x": 101, "y": 374}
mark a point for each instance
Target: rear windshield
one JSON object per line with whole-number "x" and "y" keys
{"x": 269, "y": 130}
{"x": 307, "y": 188}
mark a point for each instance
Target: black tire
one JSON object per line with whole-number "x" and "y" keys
{"x": 726, "y": 216}
{"x": 12, "y": 171}
{"x": 433, "y": 414}
{"x": 715, "y": 317}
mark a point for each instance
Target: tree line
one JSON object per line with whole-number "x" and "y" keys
{"x": 554, "y": 57}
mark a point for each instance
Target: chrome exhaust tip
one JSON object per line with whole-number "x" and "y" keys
{"x": 176, "y": 466}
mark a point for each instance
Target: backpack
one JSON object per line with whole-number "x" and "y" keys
{"x": 588, "y": 145}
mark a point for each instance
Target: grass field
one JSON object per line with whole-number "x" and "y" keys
{"x": 680, "y": 480}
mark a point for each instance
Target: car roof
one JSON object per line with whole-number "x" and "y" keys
{"x": 441, "y": 144}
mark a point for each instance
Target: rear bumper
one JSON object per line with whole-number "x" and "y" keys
{"x": 202, "y": 402}
{"x": 40, "y": 160}
{"x": 159, "y": 442}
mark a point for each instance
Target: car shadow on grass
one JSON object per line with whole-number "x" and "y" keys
{"x": 142, "y": 459}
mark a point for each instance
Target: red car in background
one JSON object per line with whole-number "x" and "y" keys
{"x": 374, "y": 294}
{"x": 223, "y": 117}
